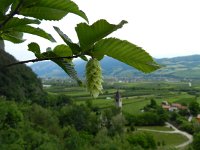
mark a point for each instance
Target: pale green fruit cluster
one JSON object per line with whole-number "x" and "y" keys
{"x": 94, "y": 77}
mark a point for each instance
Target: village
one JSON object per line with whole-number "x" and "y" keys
{"x": 170, "y": 107}
{"x": 177, "y": 107}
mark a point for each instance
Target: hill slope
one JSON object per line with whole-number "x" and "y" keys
{"x": 178, "y": 67}
{"x": 18, "y": 82}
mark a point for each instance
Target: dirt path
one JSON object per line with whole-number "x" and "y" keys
{"x": 189, "y": 136}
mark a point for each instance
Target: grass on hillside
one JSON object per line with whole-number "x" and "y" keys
{"x": 168, "y": 139}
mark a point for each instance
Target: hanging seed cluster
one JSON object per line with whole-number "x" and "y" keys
{"x": 94, "y": 77}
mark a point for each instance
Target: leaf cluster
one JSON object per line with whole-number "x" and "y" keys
{"x": 92, "y": 38}
{"x": 32, "y": 12}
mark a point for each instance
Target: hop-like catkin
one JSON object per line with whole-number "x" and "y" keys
{"x": 94, "y": 77}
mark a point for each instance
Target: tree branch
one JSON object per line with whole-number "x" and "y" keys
{"x": 11, "y": 15}
{"x": 39, "y": 59}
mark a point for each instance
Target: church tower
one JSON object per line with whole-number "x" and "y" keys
{"x": 118, "y": 101}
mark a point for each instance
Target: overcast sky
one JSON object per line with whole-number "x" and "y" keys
{"x": 164, "y": 28}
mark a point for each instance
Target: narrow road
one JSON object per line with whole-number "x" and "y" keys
{"x": 189, "y": 136}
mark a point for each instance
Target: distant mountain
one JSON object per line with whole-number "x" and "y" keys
{"x": 180, "y": 67}
{"x": 177, "y": 67}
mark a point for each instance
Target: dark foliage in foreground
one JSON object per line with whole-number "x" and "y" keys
{"x": 18, "y": 83}
{"x": 74, "y": 127}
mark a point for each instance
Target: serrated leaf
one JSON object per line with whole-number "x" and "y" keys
{"x": 43, "y": 13}
{"x": 74, "y": 47}
{"x": 67, "y": 66}
{"x": 52, "y": 10}
{"x": 88, "y": 35}
{"x": 12, "y": 39}
{"x": 34, "y": 31}
{"x": 15, "y": 37}
{"x": 126, "y": 52}
{"x": 59, "y": 51}
{"x": 16, "y": 22}
{"x": 65, "y": 5}
{"x": 70, "y": 70}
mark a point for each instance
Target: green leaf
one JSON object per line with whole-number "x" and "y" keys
{"x": 59, "y": 51}
{"x": 12, "y": 38}
{"x": 15, "y": 37}
{"x": 16, "y": 22}
{"x": 34, "y": 31}
{"x": 34, "y": 47}
{"x": 62, "y": 51}
{"x": 70, "y": 70}
{"x": 52, "y": 10}
{"x": 5, "y": 5}
{"x": 43, "y": 13}
{"x": 20, "y": 25}
{"x": 74, "y": 47}
{"x": 88, "y": 35}
{"x": 84, "y": 58}
{"x": 126, "y": 52}
{"x": 25, "y": 4}
{"x": 67, "y": 66}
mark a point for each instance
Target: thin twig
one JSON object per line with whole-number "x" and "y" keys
{"x": 12, "y": 14}
{"x": 38, "y": 59}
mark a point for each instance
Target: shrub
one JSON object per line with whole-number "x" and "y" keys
{"x": 143, "y": 139}
{"x": 10, "y": 115}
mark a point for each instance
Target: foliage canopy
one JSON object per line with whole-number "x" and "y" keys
{"x": 91, "y": 43}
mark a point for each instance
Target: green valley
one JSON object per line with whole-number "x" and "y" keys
{"x": 136, "y": 97}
